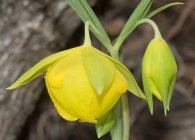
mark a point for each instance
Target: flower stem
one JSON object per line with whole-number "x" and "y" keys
{"x": 126, "y": 120}
{"x": 124, "y": 107}
{"x": 153, "y": 24}
{"x": 87, "y": 40}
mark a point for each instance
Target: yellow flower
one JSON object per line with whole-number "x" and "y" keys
{"x": 83, "y": 82}
{"x": 159, "y": 71}
{"x": 74, "y": 95}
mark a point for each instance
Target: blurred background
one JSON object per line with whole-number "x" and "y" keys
{"x": 33, "y": 29}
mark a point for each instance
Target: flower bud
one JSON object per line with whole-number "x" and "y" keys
{"x": 80, "y": 88}
{"x": 83, "y": 82}
{"x": 159, "y": 71}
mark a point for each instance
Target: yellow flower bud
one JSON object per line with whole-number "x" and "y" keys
{"x": 83, "y": 82}
{"x": 159, "y": 70}
{"x": 72, "y": 91}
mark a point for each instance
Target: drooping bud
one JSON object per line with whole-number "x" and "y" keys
{"x": 159, "y": 71}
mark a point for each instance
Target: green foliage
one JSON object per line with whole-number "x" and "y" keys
{"x": 138, "y": 13}
{"x": 117, "y": 130}
{"x": 104, "y": 124}
{"x": 156, "y": 11}
{"x": 84, "y": 11}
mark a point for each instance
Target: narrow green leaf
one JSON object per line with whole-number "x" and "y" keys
{"x": 37, "y": 69}
{"x": 104, "y": 124}
{"x": 84, "y": 11}
{"x": 130, "y": 24}
{"x": 146, "y": 11}
{"x": 156, "y": 11}
{"x": 99, "y": 69}
{"x": 93, "y": 18}
{"x": 107, "y": 44}
{"x": 117, "y": 130}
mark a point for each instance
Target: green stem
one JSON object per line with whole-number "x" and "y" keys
{"x": 153, "y": 24}
{"x": 126, "y": 120}
{"x": 87, "y": 40}
{"x": 125, "y": 106}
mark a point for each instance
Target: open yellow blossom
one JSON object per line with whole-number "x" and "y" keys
{"x": 82, "y": 82}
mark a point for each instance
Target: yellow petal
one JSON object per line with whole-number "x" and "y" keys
{"x": 61, "y": 110}
{"x": 74, "y": 90}
{"x": 111, "y": 96}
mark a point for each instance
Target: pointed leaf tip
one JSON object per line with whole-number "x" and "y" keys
{"x": 165, "y": 111}
{"x": 10, "y": 87}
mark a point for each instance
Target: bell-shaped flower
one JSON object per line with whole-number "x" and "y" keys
{"x": 159, "y": 71}
{"x": 82, "y": 82}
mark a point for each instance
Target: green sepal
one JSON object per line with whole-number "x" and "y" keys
{"x": 156, "y": 11}
{"x": 104, "y": 124}
{"x": 99, "y": 69}
{"x": 133, "y": 87}
{"x": 38, "y": 68}
{"x": 148, "y": 91}
{"x": 171, "y": 88}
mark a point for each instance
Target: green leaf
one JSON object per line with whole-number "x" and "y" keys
{"x": 104, "y": 124}
{"x": 84, "y": 11}
{"x": 156, "y": 11}
{"x": 130, "y": 24}
{"x": 146, "y": 11}
{"x": 133, "y": 86}
{"x": 41, "y": 66}
{"x": 99, "y": 69}
{"x": 117, "y": 130}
